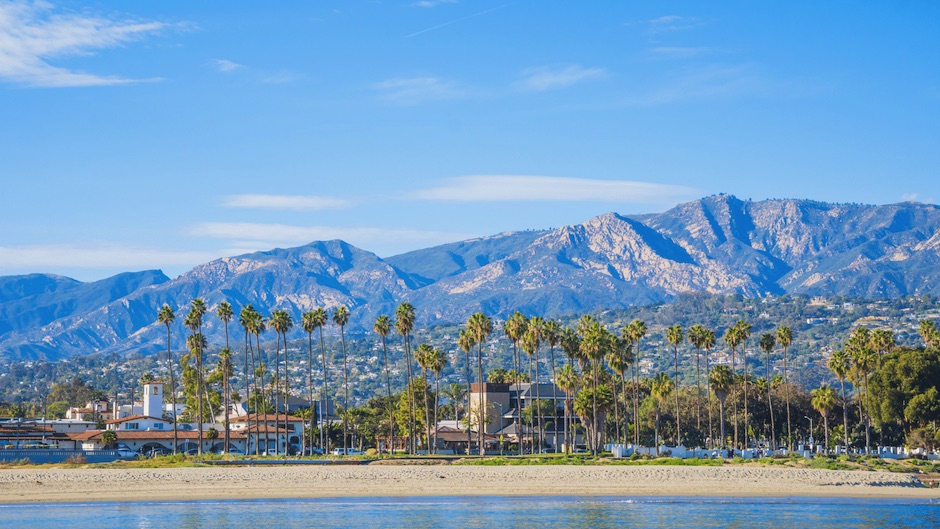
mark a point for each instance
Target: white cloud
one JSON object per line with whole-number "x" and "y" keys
{"x": 672, "y": 23}
{"x": 295, "y": 202}
{"x": 227, "y": 66}
{"x": 544, "y": 78}
{"x": 31, "y": 35}
{"x": 102, "y": 256}
{"x": 415, "y": 90}
{"x": 257, "y": 236}
{"x": 909, "y": 197}
{"x": 497, "y": 188}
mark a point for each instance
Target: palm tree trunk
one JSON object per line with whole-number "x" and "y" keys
{"x": 721, "y": 422}
{"x": 678, "y": 427}
{"x": 308, "y": 440}
{"x": 324, "y": 417}
{"x": 466, "y": 412}
{"x": 595, "y": 436}
{"x": 517, "y": 361}
{"x": 427, "y": 408}
{"x": 845, "y": 415}
{"x": 388, "y": 386}
{"x": 226, "y": 391}
{"x": 554, "y": 400}
{"x": 274, "y": 389}
{"x": 538, "y": 404}
{"x": 437, "y": 398}
{"x": 342, "y": 332}
{"x": 734, "y": 403}
{"x": 169, "y": 359}
{"x": 412, "y": 448}
{"x": 481, "y": 425}
{"x": 286, "y": 399}
{"x": 708, "y": 394}
{"x": 746, "y": 416}
{"x": 786, "y": 393}
{"x": 698, "y": 390}
{"x": 770, "y": 404}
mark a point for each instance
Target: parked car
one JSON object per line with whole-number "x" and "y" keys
{"x": 348, "y": 452}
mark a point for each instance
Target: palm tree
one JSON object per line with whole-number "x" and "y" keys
{"x": 166, "y": 317}
{"x": 281, "y": 322}
{"x": 732, "y": 338}
{"x": 928, "y": 331}
{"x": 594, "y": 346}
{"x": 839, "y": 364}
{"x": 404, "y": 323}
{"x": 245, "y": 319}
{"x": 423, "y": 355}
{"x": 675, "y": 336}
{"x": 568, "y": 381}
{"x": 709, "y": 340}
{"x": 636, "y": 331}
{"x": 456, "y": 393}
{"x": 480, "y": 326}
{"x": 619, "y": 360}
{"x": 824, "y": 398}
{"x": 341, "y": 318}
{"x": 785, "y": 338}
{"x": 696, "y": 337}
{"x": 514, "y": 328}
{"x": 721, "y": 381}
{"x": 864, "y": 362}
{"x": 551, "y": 332}
{"x": 465, "y": 343}
{"x": 225, "y": 313}
{"x": 197, "y": 309}
{"x": 437, "y": 361}
{"x": 660, "y": 389}
{"x": 535, "y": 328}
{"x": 744, "y": 331}
{"x": 318, "y": 321}
{"x": 382, "y": 327}
{"x": 308, "y": 324}
{"x": 767, "y": 343}
{"x": 882, "y": 340}
{"x": 258, "y": 326}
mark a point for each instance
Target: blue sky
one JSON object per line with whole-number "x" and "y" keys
{"x": 139, "y": 135}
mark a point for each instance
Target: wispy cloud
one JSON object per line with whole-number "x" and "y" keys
{"x": 520, "y": 188}
{"x": 295, "y": 202}
{"x": 433, "y": 3}
{"x": 31, "y": 35}
{"x": 548, "y": 78}
{"x": 259, "y": 236}
{"x": 106, "y": 256}
{"x": 415, "y": 90}
{"x": 227, "y": 66}
{"x": 710, "y": 82}
{"x": 669, "y": 23}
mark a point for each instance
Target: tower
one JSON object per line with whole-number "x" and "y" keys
{"x": 153, "y": 399}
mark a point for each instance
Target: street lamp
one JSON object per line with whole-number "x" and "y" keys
{"x": 810, "y": 428}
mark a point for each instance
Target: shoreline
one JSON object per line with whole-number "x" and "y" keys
{"x": 84, "y": 485}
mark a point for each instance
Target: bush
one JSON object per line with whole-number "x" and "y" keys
{"x": 76, "y": 459}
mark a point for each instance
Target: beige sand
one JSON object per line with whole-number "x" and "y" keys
{"x": 81, "y": 485}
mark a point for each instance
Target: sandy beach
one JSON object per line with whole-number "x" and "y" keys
{"x": 91, "y": 485}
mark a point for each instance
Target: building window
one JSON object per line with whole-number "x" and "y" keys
{"x": 132, "y": 426}
{"x": 156, "y": 390}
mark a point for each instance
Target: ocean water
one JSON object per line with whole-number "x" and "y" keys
{"x": 484, "y": 512}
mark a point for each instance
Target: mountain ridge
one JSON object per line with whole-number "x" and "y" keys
{"x": 718, "y": 244}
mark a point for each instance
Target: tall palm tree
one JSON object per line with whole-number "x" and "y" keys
{"x": 318, "y": 321}
{"x": 744, "y": 332}
{"x": 341, "y": 318}
{"x": 382, "y": 327}
{"x": 465, "y": 343}
{"x": 423, "y": 355}
{"x": 166, "y": 317}
{"x": 619, "y": 359}
{"x": 696, "y": 337}
{"x": 551, "y": 332}
{"x": 864, "y": 362}
{"x": 437, "y": 361}
{"x": 767, "y": 343}
{"x": 568, "y": 381}
{"x": 404, "y": 324}
{"x": 709, "y": 340}
{"x": 258, "y": 326}
{"x": 824, "y": 399}
{"x": 197, "y": 309}
{"x": 480, "y": 326}
{"x": 636, "y": 331}
{"x": 721, "y": 381}
{"x": 675, "y": 336}
{"x": 594, "y": 346}
{"x": 882, "y": 340}
{"x": 535, "y": 328}
{"x": 732, "y": 338}
{"x": 785, "y": 338}
{"x": 308, "y": 324}
{"x": 660, "y": 389}
{"x": 281, "y": 323}
{"x": 514, "y": 329}
{"x": 224, "y": 312}
{"x": 839, "y": 363}
{"x": 245, "y": 319}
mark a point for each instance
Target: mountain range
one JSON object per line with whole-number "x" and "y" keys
{"x": 719, "y": 244}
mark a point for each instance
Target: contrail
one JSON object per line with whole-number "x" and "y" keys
{"x": 459, "y": 20}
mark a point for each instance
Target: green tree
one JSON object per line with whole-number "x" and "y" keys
{"x": 465, "y": 343}
{"x": 721, "y": 381}
{"x": 635, "y": 331}
{"x": 514, "y": 328}
{"x": 568, "y": 381}
{"x": 109, "y": 438}
{"x": 404, "y": 324}
{"x": 437, "y": 361}
{"x": 839, "y": 364}
{"x": 423, "y": 355}
{"x": 660, "y": 389}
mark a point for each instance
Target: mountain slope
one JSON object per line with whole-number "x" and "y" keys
{"x": 719, "y": 244}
